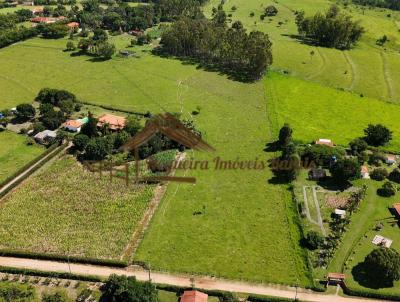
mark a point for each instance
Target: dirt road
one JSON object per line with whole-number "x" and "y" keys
{"x": 179, "y": 280}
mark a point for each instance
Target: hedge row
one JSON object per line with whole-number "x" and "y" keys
{"x": 31, "y": 272}
{"x": 147, "y": 114}
{"x": 368, "y": 294}
{"x": 258, "y": 298}
{"x": 63, "y": 258}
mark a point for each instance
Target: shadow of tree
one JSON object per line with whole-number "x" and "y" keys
{"x": 368, "y": 278}
{"x": 240, "y": 76}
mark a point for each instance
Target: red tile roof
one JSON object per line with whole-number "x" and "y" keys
{"x": 396, "y": 206}
{"x": 194, "y": 296}
{"x": 364, "y": 169}
{"x": 73, "y": 24}
{"x": 336, "y": 276}
{"x": 115, "y": 122}
{"x": 73, "y": 123}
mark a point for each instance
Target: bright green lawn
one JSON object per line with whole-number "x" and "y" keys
{"x": 66, "y": 210}
{"x": 315, "y": 111}
{"x": 361, "y": 69}
{"x": 14, "y": 153}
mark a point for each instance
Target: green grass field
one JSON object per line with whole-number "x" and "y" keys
{"x": 14, "y": 153}
{"x": 350, "y": 70}
{"x": 316, "y": 111}
{"x": 66, "y": 210}
{"x": 244, "y": 212}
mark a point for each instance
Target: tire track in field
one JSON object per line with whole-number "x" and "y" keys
{"x": 353, "y": 69}
{"x": 18, "y": 83}
{"x": 386, "y": 76}
{"x": 322, "y": 68}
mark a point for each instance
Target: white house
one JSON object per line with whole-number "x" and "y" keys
{"x": 73, "y": 125}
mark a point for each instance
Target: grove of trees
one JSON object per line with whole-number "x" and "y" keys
{"x": 333, "y": 29}
{"x": 246, "y": 56}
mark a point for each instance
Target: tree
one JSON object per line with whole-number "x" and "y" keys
{"x": 345, "y": 169}
{"x": 358, "y": 145}
{"x": 97, "y": 148}
{"x": 285, "y": 135}
{"x": 44, "y": 108}
{"x": 384, "y": 263}
{"x": 271, "y": 11}
{"x": 395, "y": 175}
{"x": 100, "y": 36}
{"x": 120, "y": 139}
{"x": 53, "y": 119}
{"x": 379, "y": 174}
{"x": 377, "y": 135}
{"x": 314, "y": 240}
{"x": 26, "y": 111}
{"x": 106, "y": 50}
{"x": 80, "y": 141}
{"x": 90, "y": 128}
{"x": 67, "y": 106}
{"x": 388, "y": 189}
{"x": 132, "y": 125}
{"x": 38, "y": 127}
{"x": 128, "y": 289}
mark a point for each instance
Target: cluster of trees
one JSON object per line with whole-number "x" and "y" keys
{"x": 391, "y": 4}
{"x": 128, "y": 289}
{"x": 332, "y": 29}
{"x": 55, "y": 106}
{"x": 54, "y": 2}
{"x": 246, "y": 56}
{"x": 121, "y": 17}
{"x": 52, "y": 31}
{"x": 98, "y": 45}
{"x": 8, "y": 37}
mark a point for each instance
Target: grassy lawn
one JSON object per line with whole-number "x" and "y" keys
{"x": 357, "y": 243}
{"x": 331, "y": 67}
{"x": 14, "y": 153}
{"x": 66, "y": 210}
{"x": 316, "y": 111}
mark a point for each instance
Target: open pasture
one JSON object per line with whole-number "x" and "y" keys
{"x": 367, "y": 69}
{"x": 315, "y": 111}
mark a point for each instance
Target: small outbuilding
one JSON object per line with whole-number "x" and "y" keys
{"x": 46, "y": 136}
{"x": 396, "y": 209}
{"x": 336, "y": 278}
{"x": 73, "y": 25}
{"x": 316, "y": 174}
{"x": 194, "y": 296}
{"x": 365, "y": 172}
{"x": 340, "y": 213}
{"x": 325, "y": 142}
{"x": 391, "y": 159}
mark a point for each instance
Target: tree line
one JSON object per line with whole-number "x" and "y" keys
{"x": 333, "y": 29}
{"x": 231, "y": 49}
{"x": 391, "y": 4}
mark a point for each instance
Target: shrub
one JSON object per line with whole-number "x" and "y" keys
{"x": 377, "y": 135}
{"x": 70, "y": 46}
{"x": 271, "y": 11}
{"x": 58, "y": 296}
{"x": 379, "y": 174}
{"x": 388, "y": 189}
{"x": 314, "y": 240}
